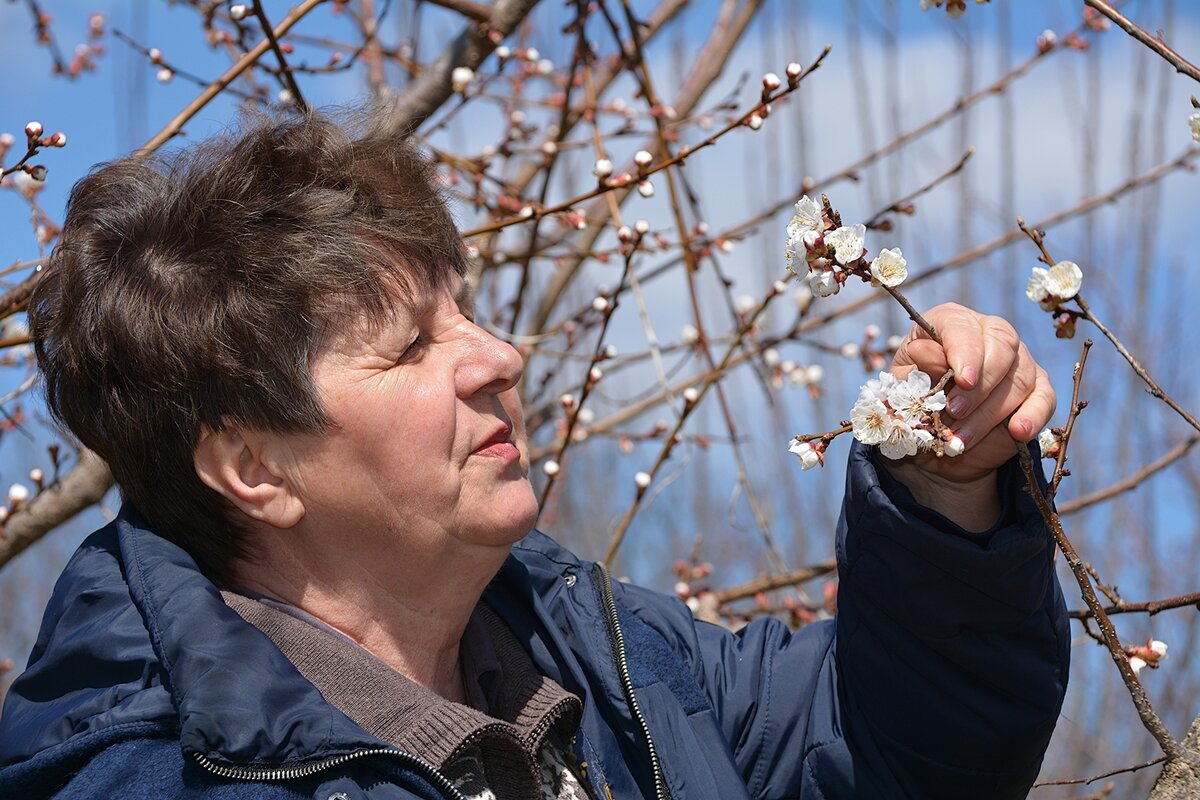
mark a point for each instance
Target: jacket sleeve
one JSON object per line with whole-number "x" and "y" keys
{"x": 942, "y": 675}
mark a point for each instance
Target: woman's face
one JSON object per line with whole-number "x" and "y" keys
{"x": 428, "y": 445}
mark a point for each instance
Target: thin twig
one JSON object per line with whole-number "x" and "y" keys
{"x": 1076, "y": 407}
{"x": 1141, "y": 702}
{"x": 1131, "y": 482}
{"x": 1181, "y": 64}
{"x": 285, "y": 72}
{"x": 1102, "y": 775}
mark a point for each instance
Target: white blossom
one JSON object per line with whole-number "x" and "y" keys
{"x": 808, "y": 455}
{"x": 847, "y": 242}
{"x": 18, "y": 493}
{"x": 1137, "y": 664}
{"x": 955, "y": 447}
{"x": 1050, "y": 287}
{"x": 901, "y": 442}
{"x": 871, "y": 422}
{"x": 889, "y": 268}
{"x": 1194, "y": 122}
{"x": 851, "y": 350}
{"x": 1159, "y": 647}
{"x": 806, "y": 218}
{"x": 1049, "y": 443}
{"x": 771, "y": 357}
{"x": 545, "y": 66}
{"x": 824, "y": 284}
{"x": 585, "y": 416}
{"x": 813, "y": 373}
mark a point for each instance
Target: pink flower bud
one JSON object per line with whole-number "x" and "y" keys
{"x": 770, "y": 82}
{"x": 794, "y": 70}
{"x": 155, "y": 55}
{"x": 57, "y": 139}
{"x": 643, "y": 158}
{"x": 625, "y": 234}
{"x": 33, "y": 129}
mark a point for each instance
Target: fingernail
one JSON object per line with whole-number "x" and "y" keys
{"x": 1025, "y": 429}
{"x": 967, "y": 375}
{"x": 959, "y": 405}
{"x": 965, "y": 435}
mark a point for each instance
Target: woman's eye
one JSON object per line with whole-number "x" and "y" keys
{"x": 413, "y": 351}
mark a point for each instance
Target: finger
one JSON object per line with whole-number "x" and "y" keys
{"x": 963, "y": 337}
{"x": 1036, "y": 412}
{"x": 1001, "y": 347}
{"x": 1005, "y": 398}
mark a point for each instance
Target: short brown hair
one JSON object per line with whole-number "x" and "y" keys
{"x": 195, "y": 289}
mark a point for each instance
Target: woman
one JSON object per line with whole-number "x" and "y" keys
{"x": 323, "y": 582}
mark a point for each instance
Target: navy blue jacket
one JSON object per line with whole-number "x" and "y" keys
{"x": 942, "y": 676}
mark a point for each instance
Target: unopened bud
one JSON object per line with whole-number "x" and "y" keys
{"x": 691, "y": 394}
{"x": 643, "y": 158}
{"x": 689, "y": 334}
{"x": 595, "y": 374}
{"x": 58, "y": 139}
{"x": 164, "y": 75}
{"x": 460, "y": 77}
{"x": 603, "y": 168}
{"x": 755, "y": 122}
{"x": 955, "y": 447}
{"x": 770, "y": 82}
{"x": 237, "y": 11}
{"x": 550, "y": 468}
{"x": 37, "y": 476}
{"x": 625, "y": 234}
{"x": 642, "y": 226}
{"x": 567, "y": 401}
{"x": 154, "y": 54}
{"x": 17, "y": 493}
{"x": 645, "y": 188}
{"x": 502, "y": 52}
{"x": 794, "y": 71}
{"x": 33, "y": 129}
{"x": 600, "y": 304}
{"x": 642, "y": 479}
{"x": 545, "y": 66}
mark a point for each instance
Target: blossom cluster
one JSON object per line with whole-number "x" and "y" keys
{"x": 834, "y": 252}
{"x": 1052, "y": 287}
{"x": 902, "y": 416}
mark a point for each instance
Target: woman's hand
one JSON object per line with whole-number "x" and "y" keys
{"x": 1001, "y": 398}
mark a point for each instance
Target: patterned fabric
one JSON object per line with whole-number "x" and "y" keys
{"x": 558, "y": 778}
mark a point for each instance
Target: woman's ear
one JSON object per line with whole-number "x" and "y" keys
{"x": 234, "y": 463}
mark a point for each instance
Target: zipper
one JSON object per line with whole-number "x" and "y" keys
{"x": 617, "y": 640}
{"x": 243, "y": 773}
